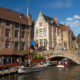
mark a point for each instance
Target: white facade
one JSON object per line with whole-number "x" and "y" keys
{"x": 44, "y": 32}
{"x": 41, "y": 32}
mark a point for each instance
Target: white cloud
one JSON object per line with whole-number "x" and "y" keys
{"x": 69, "y": 19}
{"x": 76, "y": 17}
{"x": 74, "y": 23}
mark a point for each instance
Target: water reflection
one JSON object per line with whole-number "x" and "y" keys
{"x": 52, "y": 73}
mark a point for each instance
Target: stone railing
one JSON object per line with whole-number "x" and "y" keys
{"x": 74, "y": 55}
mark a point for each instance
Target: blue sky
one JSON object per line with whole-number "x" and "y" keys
{"x": 68, "y": 11}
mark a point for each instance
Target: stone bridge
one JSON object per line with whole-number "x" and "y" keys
{"x": 73, "y": 55}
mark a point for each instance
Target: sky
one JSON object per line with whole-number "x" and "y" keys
{"x": 68, "y": 11}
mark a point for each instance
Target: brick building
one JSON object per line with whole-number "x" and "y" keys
{"x": 68, "y": 38}
{"x": 14, "y": 29}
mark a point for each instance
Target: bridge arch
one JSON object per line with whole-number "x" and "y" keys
{"x": 63, "y": 56}
{"x": 69, "y": 54}
{"x": 59, "y": 58}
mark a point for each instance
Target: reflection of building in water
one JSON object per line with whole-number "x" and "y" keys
{"x": 21, "y": 77}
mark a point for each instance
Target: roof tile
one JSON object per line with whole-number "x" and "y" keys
{"x": 14, "y": 16}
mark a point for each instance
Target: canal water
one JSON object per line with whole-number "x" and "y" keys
{"x": 52, "y": 73}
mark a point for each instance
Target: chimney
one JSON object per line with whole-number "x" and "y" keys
{"x": 29, "y": 17}
{"x": 64, "y": 24}
{"x": 56, "y": 19}
{"x": 27, "y": 12}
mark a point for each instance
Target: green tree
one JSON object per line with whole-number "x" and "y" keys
{"x": 26, "y": 52}
{"x": 78, "y": 40}
{"x": 36, "y": 57}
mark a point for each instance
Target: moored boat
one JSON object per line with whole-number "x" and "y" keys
{"x": 35, "y": 68}
{"x": 49, "y": 63}
{"x": 63, "y": 64}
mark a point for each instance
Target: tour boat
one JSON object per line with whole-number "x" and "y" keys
{"x": 36, "y": 68}
{"x": 49, "y": 63}
{"x": 63, "y": 64}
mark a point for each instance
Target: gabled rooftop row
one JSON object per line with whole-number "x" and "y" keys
{"x": 17, "y": 30}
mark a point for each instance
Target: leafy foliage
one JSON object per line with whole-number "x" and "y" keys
{"x": 37, "y": 56}
{"x": 26, "y": 52}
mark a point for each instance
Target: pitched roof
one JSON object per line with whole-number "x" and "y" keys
{"x": 11, "y": 51}
{"x": 73, "y": 36}
{"x": 47, "y": 18}
{"x": 65, "y": 28}
{"x": 61, "y": 24}
{"x": 14, "y": 16}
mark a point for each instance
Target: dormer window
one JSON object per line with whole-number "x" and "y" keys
{"x": 22, "y": 16}
{"x": 16, "y": 25}
{"x": 52, "y": 21}
{"x": 7, "y": 23}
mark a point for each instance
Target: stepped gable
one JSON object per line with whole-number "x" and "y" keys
{"x": 13, "y": 16}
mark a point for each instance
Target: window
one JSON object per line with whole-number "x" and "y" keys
{"x": 23, "y": 34}
{"x": 40, "y": 42}
{"x": 16, "y": 33}
{"x": 16, "y": 25}
{"x": 62, "y": 36}
{"x": 44, "y": 30}
{"x": 22, "y": 45}
{"x": 23, "y": 26}
{"x": 45, "y": 42}
{"x": 55, "y": 30}
{"x": 40, "y": 23}
{"x": 40, "y": 32}
{"x": 36, "y": 33}
{"x": 65, "y": 45}
{"x": 7, "y": 44}
{"x": 7, "y": 23}
{"x": 7, "y": 34}
{"x": 59, "y": 32}
{"x": 16, "y": 45}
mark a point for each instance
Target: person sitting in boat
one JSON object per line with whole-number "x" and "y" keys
{"x": 60, "y": 62}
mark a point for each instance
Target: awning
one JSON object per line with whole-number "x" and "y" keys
{"x": 39, "y": 60}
